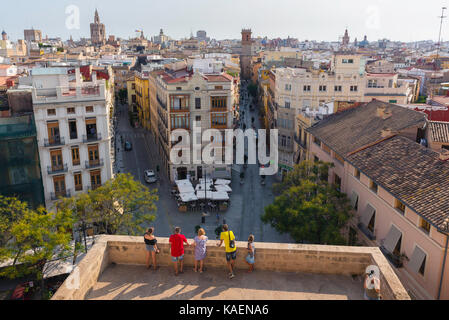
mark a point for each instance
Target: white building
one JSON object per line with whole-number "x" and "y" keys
{"x": 74, "y": 130}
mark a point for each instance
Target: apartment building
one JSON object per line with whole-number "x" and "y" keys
{"x": 184, "y": 97}
{"x": 142, "y": 97}
{"x": 346, "y": 81}
{"x": 74, "y": 130}
{"x": 397, "y": 187}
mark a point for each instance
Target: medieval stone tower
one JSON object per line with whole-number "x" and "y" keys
{"x": 246, "y": 55}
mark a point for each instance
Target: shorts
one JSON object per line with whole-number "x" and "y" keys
{"x": 176, "y": 259}
{"x": 150, "y": 247}
{"x": 369, "y": 298}
{"x": 249, "y": 259}
{"x": 231, "y": 255}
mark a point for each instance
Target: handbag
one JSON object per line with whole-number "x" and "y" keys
{"x": 231, "y": 242}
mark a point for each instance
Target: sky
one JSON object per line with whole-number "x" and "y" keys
{"x": 321, "y": 20}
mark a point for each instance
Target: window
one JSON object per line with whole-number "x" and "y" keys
{"x": 72, "y": 129}
{"x": 75, "y": 156}
{"x": 393, "y": 101}
{"x": 373, "y": 186}
{"x": 218, "y": 102}
{"x": 372, "y": 83}
{"x": 78, "y": 181}
{"x": 326, "y": 149}
{"x": 337, "y": 181}
{"x": 197, "y": 88}
{"x": 51, "y": 112}
{"x": 337, "y": 88}
{"x": 197, "y": 118}
{"x": 316, "y": 159}
{"x": 133, "y": 86}
{"x": 357, "y": 173}
{"x": 197, "y": 103}
{"x": 95, "y": 179}
{"x": 218, "y": 119}
{"x": 322, "y": 88}
{"x": 307, "y": 88}
{"x": 288, "y": 87}
{"x": 353, "y": 88}
{"x": 70, "y": 110}
{"x": 179, "y": 121}
{"x": 424, "y": 225}
{"x": 178, "y": 88}
{"x": 59, "y": 185}
{"x": 287, "y": 104}
{"x": 317, "y": 141}
{"x": 93, "y": 154}
{"x": 399, "y": 206}
{"x": 218, "y": 87}
{"x": 89, "y": 109}
{"x": 56, "y": 160}
{"x": 348, "y": 60}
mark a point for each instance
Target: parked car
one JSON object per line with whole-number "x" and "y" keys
{"x": 150, "y": 176}
{"x": 128, "y": 146}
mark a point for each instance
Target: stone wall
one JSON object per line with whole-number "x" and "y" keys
{"x": 269, "y": 256}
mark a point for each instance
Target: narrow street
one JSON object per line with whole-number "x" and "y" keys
{"x": 247, "y": 200}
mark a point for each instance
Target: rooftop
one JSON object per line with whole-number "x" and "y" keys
{"x": 439, "y": 131}
{"x": 411, "y": 172}
{"x": 355, "y": 128}
{"x": 114, "y": 268}
{"x": 127, "y": 282}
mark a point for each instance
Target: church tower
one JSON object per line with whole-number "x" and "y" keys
{"x": 246, "y": 55}
{"x": 97, "y": 31}
{"x": 345, "y": 42}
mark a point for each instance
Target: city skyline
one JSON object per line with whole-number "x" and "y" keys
{"x": 374, "y": 19}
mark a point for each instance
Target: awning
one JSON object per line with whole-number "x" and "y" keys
{"x": 208, "y": 180}
{"x": 188, "y": 197}
{"x": 185, "y": 188}
{"x": 354, "y": 199}
{"x": 201, "y": 186}
{"x": 222, "y": 181}
{"x": 221, "y": 195}
{"x": 183, "y": 182}
{"x": 392, "y": 238}
{"x": 223, "y": 188}
{"x": 416, "y": 260}
{"x": 204, "y": 194}
{"x": 367, "y": 214}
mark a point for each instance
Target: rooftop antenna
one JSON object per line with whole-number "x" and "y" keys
{"x": 439, "y": 37}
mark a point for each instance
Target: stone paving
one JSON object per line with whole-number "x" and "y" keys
{"x": 129, "y": 282}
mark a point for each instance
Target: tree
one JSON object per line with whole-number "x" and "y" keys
{"x": 308, "y": 207}
{"x": 32, "y": 237}
{"x": 121, "y": 206}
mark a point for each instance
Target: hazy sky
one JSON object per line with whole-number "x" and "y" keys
{"x": 405, "y": 20}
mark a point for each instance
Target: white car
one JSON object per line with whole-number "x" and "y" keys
{"x": 150, "y": 177}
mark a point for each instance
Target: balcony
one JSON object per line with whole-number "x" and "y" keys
{"x": 54, "y": 141}
{"x": 219, "y": 126}
{"x": 61, "y": 194}
{"x": 92, "y": 137}
{"x": 301, "y": 143}
{"x": 218, "y": 109}
{"x": 288, "y": 147}
{"x": 94, "y": 164}
{"x": 366, "y": 231}
{"x": 179, "y": 109}
{"x": 57, "y": 169}
{"x": 163, "y": 105}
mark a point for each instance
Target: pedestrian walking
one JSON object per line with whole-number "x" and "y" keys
{"x": 250, "y": 258}
{"x": 199, "y": 243}
{"x": 176, "y": 242}
{"x": 151, "y": 247}
{"x": 231, "y": 251}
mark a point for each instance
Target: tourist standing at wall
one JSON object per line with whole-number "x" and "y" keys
{"x": 200, "y": 249}
{"x": 250, "y": 258}
{"x": 151, "y": 246}
{"x": 177, "y": 241}
{"x": 231, "y": 251}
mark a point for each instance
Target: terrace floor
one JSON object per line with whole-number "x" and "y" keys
{"x": 135, "y": 282}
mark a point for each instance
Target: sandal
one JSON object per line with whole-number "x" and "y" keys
{"x": 194, "y": 269}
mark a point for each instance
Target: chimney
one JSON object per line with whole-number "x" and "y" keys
{"x": 444, "y": 154}
{"x": 386, "y": 132}
{"x": 383, "y": 112}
